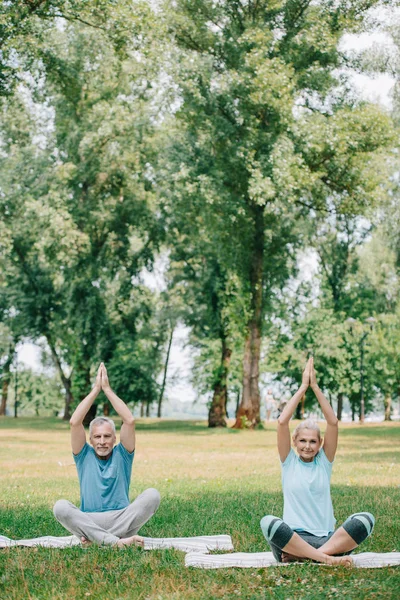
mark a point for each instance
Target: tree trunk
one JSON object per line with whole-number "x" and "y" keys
{"x": 339, "y": 406}
{"x": 69, "y": 399}
{"x": 303, "y": 402}
{"x": 388, "y": 406}
{"x": 66, "y": 381}
{"x": 148, "y": 404}
{"x": 142, "y": 409}
{"x": 106, "y": 408}
{"x": 6, "y": 380}
{"x": 297, "y": 412}
{"x": 237, "y": 403}
{"x": 90, "y": 415}
{"x": 217, "y": 412}
{"x": 4, "y": 394}
{"x": 249, "y": 409}
{"x": 161, "y": 396}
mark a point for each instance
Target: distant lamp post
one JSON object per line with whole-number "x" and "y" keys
{"x": 16, "y": 388}
{"x": 364, "y": 329}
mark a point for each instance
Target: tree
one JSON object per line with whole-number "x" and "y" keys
{"x": 78, "y": 219}
{"x": 383, "y": 359}
{"x": 262, "y": 138}
{"x": 25, "y": 25}
{"x": 38, "y": 393}
{"x": 7, "y": 353}
{"x": 211, "y": 303}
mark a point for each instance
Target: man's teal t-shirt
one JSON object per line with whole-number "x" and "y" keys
{"x": 104, "y": 484}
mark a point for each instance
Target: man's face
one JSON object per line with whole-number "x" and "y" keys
{"x": 102, "y": 439}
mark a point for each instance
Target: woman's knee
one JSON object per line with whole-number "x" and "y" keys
{"x": 275, "y": 531}
{"x": 359, "y": 526}
{"x": 265, "y": 524}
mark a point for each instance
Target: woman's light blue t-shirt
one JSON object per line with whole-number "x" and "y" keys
{"x": 307, "y": 503}
{"x": 104, "y": 484}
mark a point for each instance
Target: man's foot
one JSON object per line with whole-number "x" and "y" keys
{"x": 344, "y": 561}
{"x": 85, "y": 542}
{"x": 289, "y": 558}
{"x": 134, "y": 540}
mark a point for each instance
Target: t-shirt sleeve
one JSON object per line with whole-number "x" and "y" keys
{"x": 79, "y": 458}
{"x": 289, "y": 459}
{"x": 127, "y": 457}
{"x": 325, "y": 462}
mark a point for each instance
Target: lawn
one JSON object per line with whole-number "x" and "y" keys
{"x": 210, "y": 482}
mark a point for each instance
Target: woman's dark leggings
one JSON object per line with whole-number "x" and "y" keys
{"x": 359, "y": 526}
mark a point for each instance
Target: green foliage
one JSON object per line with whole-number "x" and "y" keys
{"x": 37, "y": 394}
{"x": 24, "y": 23}
{"x": 78, "y": 215}
{"x": 265, "y": 134}
{"x": 383, "y": 354}
{"x": 223, "y": 134}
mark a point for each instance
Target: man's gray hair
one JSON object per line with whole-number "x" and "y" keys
{"x": 307, "y": 424}
{"x": 99, "y": 421}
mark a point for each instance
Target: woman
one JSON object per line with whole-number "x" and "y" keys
{"x": 307, "y": 528}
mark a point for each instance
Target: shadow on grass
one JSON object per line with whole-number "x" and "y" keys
{"x": 386, "y": 457}
{"x": 238, "y": 515}
{"x": 162, "y": 426}
{"x": 35, "y": 423}
{"x": 192, "y": 427}
{"x": 390, "y": 432}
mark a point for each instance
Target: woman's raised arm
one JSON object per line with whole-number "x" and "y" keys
{"x": 284, "y": 443}
{"x": 331, "y": 433}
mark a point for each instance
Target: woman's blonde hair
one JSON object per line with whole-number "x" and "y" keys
{"x": 307, "y": 424}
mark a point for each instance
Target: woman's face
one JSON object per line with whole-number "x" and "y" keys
{"x": 307, "y": 444}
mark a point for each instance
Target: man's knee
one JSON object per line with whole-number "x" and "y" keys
{"x": 153, "y": 498}
{"x": 61, "y": 509}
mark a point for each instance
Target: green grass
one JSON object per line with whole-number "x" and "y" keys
{"x": 211, "y": 481}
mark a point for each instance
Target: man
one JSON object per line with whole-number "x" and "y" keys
{"x": 104, "y": 470}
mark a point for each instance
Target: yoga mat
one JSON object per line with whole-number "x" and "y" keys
{"x": 199, "y": 544}
{"x": 364, "y": 560}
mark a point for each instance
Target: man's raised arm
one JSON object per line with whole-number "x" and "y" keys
{"x": 127, "y": 435}
{"x": 78, "y": 435}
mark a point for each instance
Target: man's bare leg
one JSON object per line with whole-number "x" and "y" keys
{"x": 297, "y": 547}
